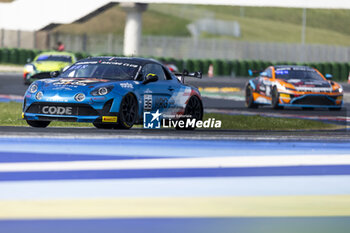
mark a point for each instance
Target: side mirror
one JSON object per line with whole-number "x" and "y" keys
{"x": 150, "y": 78}
{"x": 29, "y": 60}
{"x": 250, "y": 72}
{"x": 54, "y": 74}
{"x": 198, "y": 74}
{"x": 329, "y": 76}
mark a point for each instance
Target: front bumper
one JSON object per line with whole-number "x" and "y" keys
{"x": 71, "y": 112}
{"x": 311, "y": 100}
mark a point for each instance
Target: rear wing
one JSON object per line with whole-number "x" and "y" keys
{"x": 185, "y": 73}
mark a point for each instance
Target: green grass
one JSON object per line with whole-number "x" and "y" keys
{"x": 241, "y": 122}
{"x": 262, "y": 24}
{"x": 332, "y": 20}
{"x": 113, "y": 21}
{"x": 284, "y": 25}
{"x": 10, "y": 115}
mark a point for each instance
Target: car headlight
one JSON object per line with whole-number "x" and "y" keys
{"x": 29, "y": 68}
{"x": 101, "y": 91}
{"x": 340, "y": 90}
{"x": 39, "y": 95}
{"x": 33, "y": 88}
{"x": 79, "y": 97}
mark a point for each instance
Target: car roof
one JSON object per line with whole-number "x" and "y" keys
{"x": 292, "y": 67}
{"x": 56, "y": 53}
{"x": 139, "y": 60}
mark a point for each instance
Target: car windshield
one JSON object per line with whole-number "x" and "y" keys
{"x": 104, "y": 70}
{"x": 62, "y": 58}
{"x": 295, "y": 73}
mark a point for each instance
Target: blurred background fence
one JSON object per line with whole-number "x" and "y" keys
{"x": 179, "y": 47}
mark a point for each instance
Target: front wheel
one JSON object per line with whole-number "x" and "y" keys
{"x": 193, "y": 110}
{"x": 127, "y": 112}
{"x": 38, "y": 124}
{"x": 275, "y": 99}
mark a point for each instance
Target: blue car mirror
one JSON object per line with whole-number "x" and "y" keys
{"x": 329, "y": 76}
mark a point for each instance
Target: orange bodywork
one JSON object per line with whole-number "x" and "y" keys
{"x": 287, "y": 91}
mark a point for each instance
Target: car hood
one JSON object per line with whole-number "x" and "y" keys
{"x": 73, "y": 84}
{"x": 49, "y": 66}
{"x": 298, "y": 83}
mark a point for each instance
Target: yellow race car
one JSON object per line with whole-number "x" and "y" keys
{"x": 293, "y": 86}
{"x": 45, "y": 63}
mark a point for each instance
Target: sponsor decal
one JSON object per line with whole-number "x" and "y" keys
{"x": 282, "y": 95}
{"x": 147, "y": 102}
{"x": 313, "y": 89}
{"x": 126, "y": 85}
{"x": 77, "y": 82}
{"x": 109, "y": 119}
{"x": 192, "y": 123}
{"x": 151, "y": 120}
{"x": 154, "y": 120}
{"x": 161, "y": 103}
{"x": 54, "y": 110}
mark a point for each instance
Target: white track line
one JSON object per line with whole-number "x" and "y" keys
{"x": 218, "y": 162}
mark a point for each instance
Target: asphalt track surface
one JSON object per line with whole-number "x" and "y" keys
{"x": 61, "y": 185}
{"x": 12, "y": 84}
{"x": 89, "y": 180}
{"x": 62, "y": 132}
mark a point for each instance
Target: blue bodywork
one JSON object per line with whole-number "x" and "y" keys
{"x": 168, "y": 96}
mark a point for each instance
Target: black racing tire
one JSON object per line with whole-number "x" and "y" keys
{"x": 335, "y": 109}
{"x": 275, "y": 99}
{"x": 249, "y": 99}
{"x": 128, "y": 112}
{"x": 194, "y": 109}
{"x": 38, "y": 124}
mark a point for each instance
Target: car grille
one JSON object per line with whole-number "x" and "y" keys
{"x": 67, "y": 119}
{"x": 315, "y": 100}
{"x": 64, "y": 109}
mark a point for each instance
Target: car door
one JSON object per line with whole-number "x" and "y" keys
{"x": 156, "y": 95}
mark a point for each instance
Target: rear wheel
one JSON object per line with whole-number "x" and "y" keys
{"x": 38, "y": 124}
{"x": 249, "y": 99}
{"x": 275, "y": 99}
{"x": 127, "y": 113}
{"x": 193, "y": 110}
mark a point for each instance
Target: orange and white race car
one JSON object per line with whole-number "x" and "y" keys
{"x": 293, "y": 86}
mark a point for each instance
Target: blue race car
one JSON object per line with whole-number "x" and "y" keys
{"x": 111, "y": 92}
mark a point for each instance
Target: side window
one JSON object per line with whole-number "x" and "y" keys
{"x": 269, "y": 72}
{"x": 167, "y": 74}
{"x": 154, "y": 69}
